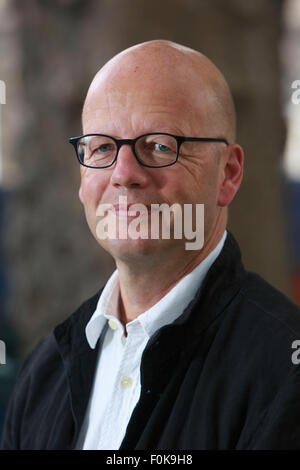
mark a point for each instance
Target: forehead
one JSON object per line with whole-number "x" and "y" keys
{"x": 144, "y": 103}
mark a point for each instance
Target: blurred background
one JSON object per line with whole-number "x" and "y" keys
{"x": 49, "y": 52}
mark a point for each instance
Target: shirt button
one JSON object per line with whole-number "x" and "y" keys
{"x": 112, "y": 324}
{"x": 126, "y": 381}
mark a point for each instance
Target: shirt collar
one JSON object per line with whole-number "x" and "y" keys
{"x": 165, "y": 311}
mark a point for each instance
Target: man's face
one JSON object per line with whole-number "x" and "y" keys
{"x": 128, "y": 106}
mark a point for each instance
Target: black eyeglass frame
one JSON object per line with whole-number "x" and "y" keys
{"x": 132, "y": 142}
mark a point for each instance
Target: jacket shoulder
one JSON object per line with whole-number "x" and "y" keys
{"x": 270, "y": 302}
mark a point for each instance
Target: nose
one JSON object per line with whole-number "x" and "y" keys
{"x": 127, "y": 171}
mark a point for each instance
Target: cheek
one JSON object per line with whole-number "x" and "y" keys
{"x": 199, "y": 187}
{"x": 93, "y": 185}
{"x": 188, "y": 186}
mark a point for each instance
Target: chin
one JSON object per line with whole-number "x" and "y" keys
{"x": 135, "y": 250}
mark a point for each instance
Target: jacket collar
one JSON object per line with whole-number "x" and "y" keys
{"x": 164, "y": 312}
{"x": 219, "y": 285}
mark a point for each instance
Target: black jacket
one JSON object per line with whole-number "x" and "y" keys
{"x": 220, "y": 377}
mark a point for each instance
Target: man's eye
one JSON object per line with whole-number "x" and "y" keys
{"x": 104, "y": 148}
{"x": 161, "y": 148}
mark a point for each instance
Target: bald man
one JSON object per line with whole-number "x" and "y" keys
{"x": 182, "y": 348}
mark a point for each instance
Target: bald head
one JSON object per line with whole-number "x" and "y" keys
{"x": 177, "y": 73}
{"x": 159, "y": 87}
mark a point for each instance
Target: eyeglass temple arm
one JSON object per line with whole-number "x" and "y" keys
{"x": 203, "y": 139}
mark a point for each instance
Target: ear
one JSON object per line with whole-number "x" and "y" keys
{"x": 232, "y": 174}
{"x": 80, "y": 194}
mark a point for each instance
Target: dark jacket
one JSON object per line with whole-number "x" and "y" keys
{"x": 220, "y": 377}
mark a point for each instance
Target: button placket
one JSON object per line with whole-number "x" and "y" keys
{"x": 112, "y": 416}
{"x": 126, "y": 365}
{"x": 125, "y": 387}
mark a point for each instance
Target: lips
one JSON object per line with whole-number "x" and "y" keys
{"x": 125, "y": 209}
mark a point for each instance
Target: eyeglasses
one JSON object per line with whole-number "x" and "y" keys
{"x": 154, "y": 150}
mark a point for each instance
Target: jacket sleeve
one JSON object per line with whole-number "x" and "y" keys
{"x": 14, "y": 411}
{"x": 15, "y": 425}
{"x": 279, "y": 429}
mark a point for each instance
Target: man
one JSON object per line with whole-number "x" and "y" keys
{"x": 182, "y": 348}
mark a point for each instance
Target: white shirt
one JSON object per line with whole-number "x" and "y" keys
{"x": 116, "y": 387}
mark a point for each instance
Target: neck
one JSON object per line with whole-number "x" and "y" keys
{"x": 142, "y": 285}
